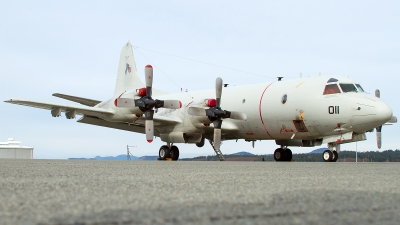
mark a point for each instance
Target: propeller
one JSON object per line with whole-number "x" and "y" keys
{"x": 215, "y": 113}
{"x": 147, "y": 104}
{"x": 378, "y": 129}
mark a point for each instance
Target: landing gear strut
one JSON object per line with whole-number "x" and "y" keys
{"x": 166, "y": 152}
{"x": 283, "y": 154}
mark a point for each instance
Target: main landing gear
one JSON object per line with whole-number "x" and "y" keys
{"x": 331, "y": 155}
{"x": 166, "y": 152}
{"x": 283, "y": 154}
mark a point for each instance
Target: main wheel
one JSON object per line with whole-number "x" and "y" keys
{"x": 164, "y": 152}
{"x": 174, "y": 153}
{"x": 279, "y": 155}
{"x": 327, "y": 156}
{"x": 289, "y": 155}
{"x": 335, "y": 156}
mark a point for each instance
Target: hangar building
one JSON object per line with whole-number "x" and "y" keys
{"x": 13, "y": 150}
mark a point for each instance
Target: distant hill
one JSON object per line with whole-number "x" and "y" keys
{"x": 319, "y": 150}
{"x": 243, "y": 153}
{"x": 119, "y": 157}
{"x": 313, "y": 156}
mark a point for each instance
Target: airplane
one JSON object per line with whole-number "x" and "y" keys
{"x": 303, "y": 112}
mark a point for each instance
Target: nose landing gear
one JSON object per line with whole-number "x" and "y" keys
{"x": 331, "y": 155}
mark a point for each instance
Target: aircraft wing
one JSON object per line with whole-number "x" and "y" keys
{"x": 116, "y": 125}
{"x": 229, "y": 131}
{"x": 81, "y": 110}
{"x": 83, "y": 101}
{"x": 136, "y": 126}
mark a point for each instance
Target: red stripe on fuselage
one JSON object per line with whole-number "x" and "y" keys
{"x": 259, "y": 108}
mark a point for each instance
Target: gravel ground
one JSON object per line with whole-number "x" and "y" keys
{"x": 134, "y": 192}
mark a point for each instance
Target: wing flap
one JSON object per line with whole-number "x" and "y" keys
{"x": 81, "y": 110}
{"x": 119, "y": 126}
{"x": 83, "y": 101}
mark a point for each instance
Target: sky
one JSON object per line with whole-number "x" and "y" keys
{"x": 73, "y": 47}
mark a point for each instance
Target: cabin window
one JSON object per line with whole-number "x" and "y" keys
{"x": 331, "y": 89}
{"x": 360, "y": 88}
{"x": 348, "y": 88}
{"x": 332, "y": 80}
{"x": 284, "y": 98}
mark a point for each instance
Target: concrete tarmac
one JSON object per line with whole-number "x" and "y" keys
{"x": 141, "y": 192}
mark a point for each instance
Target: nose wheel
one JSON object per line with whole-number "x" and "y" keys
{"x": 283, "y": 154}
{"x": 166, "y": 152}
{"x": 331, "y": 155}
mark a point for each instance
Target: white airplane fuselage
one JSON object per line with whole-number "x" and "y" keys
{"x": 268, "y": 118}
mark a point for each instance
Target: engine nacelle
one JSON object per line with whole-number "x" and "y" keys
{"x": 56, "y": 112}
{"x": 180, "y": 137}
{"x": 70, "y": 113}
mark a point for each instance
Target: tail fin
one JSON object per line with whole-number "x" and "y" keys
{"x": 127, "y": 77}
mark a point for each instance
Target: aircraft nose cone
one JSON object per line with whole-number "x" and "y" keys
{"x": 384, "y": 112}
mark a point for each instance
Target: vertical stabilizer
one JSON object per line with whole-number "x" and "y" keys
{"x": 127, "y": 77}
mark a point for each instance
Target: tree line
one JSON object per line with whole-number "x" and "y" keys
{"x": 344, "y": 156}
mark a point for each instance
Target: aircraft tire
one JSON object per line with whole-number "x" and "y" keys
{"x": 201, "y": 143}
{"x": 174, "y": 153}
{"x": 164, "y": 152}
{"x": 288, "y": 154}
{"x": 335, "y": 156}
{"x": 279, "y": 155}
{"x": 327, "y": 156}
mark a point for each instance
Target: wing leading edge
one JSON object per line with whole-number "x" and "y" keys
{"x": 81, "y": 110}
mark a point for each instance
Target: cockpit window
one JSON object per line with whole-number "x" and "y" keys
{"x": 331, "y": 89}
{"x": 332, "y": 80}
{"x": 360, "y": 88}
{"x": 348, "y": 88}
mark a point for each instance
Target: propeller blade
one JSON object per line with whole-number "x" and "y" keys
{"x": 195, "y": 111}
{"x": 217, "y": 138}
{"x": 218, "y": 90}
{"x": 172, "y": 104}
{"x": 148, "y": 71}
{"x": 379, "y": 136}
{"x": 124, "y": 102}
{"x": 217, "y": 133}
{"x": 238, "y": 115}
{"x": 149, "y": 125}
{"x": 377, "y": 93}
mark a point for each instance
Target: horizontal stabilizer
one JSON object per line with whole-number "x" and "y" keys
{"x": 83, "y": 101}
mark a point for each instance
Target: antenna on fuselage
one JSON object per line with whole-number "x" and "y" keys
{"x": 280, "y": 78}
